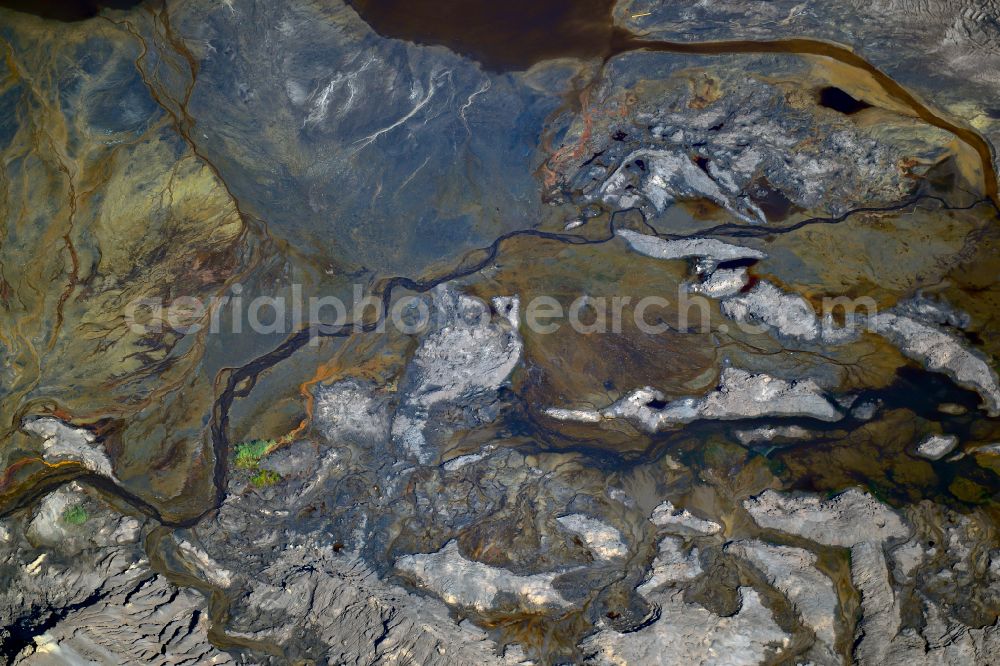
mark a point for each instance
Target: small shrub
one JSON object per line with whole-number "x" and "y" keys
{"x": 75, "y": 515}
{"x": 265, "y": 478}
{"x": 248, "y": 454}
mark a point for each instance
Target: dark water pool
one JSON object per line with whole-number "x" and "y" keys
{"x": 67, "y": 10}
{"x": 502, "y": 35}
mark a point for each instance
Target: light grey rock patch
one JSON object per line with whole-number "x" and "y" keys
{"x": 934, "y": 311}
{"x": 683, "y": 522}
{"x": 408, "y": 433}
{"x": 299, "y": 458}
{"x": 578, "y": 415}
{"x": 941, "y": 352}
{"x": 48, "y": 527}
{"x": 91, "y": 597}
{"x": 350, "y": 408}
{"x": 127, "y": 531}
{"x": 955, "y": 574}
{"x": 908, "y": 557}
{"x": 620, "y": 496}
{"x": 793, "y": 571}
{"x": 880, "y": 613}
{"x": 847, "y": 401}
{"x": 739, "y": 395}
{"x": 881, "y": 639}
{"x": 742, "y": 395}
{"x": 509, "y": 307}
{"x": 788, "y": 315}
{"x": 458, "y": 463}
{"x": 461, "y": 357}
{"x": 943, "y": 641}
{"x": 208, "y": 567}
{"x": 467, "y": 353}
{"x": 988, "y": 449}
{"x": 154, "y": 623}
{"x": 689, "y": 634}
{"x": 847, "y": 519}
{"x": 603, "y": 540}
{"x": 63, "y": 442}
{"x": 935, "y": 447}
{"x": 669, "y": 174}
{"x": 855, "y": 520}
{"x": 770, "y": 433}
{"x": 683, "y": 149}
{"x": 340, "y": 601}
{"x": 462, "y": 582}
{"x": 636, "y": 408}
{"x": 671, "y": 565}
{"x": 721, "y": 283}
{"x": 658, "y": 248}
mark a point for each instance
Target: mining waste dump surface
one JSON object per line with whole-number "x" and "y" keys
{"x": 468, "y": 332}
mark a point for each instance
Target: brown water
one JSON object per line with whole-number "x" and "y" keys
{"x": 67, "y": 10}
{"x": 501, "y": 34}
{"x": 516, "y": 34}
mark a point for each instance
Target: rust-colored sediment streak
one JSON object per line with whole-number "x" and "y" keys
{"x": 589, "y": 113}
{"x": 16, "y": 492}
{"x": 324, "y": 372}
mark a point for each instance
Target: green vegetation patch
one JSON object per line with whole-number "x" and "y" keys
{"x": 265, "y": 478}
{"x": 249, "y": 454}
{"x": 75, "y": 515}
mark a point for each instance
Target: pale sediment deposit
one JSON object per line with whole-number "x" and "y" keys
{"x": 739, "y": 395}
